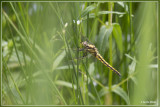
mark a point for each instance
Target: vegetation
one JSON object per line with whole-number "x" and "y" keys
{"x": 42, "y": 64}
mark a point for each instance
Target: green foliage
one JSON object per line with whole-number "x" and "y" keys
{"x": 42, "y": 64}
{"x": 117, "y": 33}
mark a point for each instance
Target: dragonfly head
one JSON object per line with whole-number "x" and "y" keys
{"x": 85, "y": 43}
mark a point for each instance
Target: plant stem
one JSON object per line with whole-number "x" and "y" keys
{"x": 110, "y": 7}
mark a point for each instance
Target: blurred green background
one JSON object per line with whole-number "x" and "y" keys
{"x": 41, "y": 64}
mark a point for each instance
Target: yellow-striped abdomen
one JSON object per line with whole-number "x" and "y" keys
{"x": 100, "y": 58}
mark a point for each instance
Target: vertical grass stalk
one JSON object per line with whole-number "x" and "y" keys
{"x": 110, "y": 7}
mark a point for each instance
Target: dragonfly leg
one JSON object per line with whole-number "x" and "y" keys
{"x": 84, "y": 54}
{"x": 81, "y": 49}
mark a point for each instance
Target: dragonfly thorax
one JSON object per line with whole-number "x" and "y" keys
{"x": 90, "y": 48}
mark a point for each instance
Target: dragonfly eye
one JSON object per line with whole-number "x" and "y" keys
{"x": 84, "y": 43}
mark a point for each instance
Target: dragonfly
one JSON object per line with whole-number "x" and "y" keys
{"x": 94, "y": 51}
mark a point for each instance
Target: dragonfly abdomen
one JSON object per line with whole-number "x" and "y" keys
{"x": 100, "y": 58}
